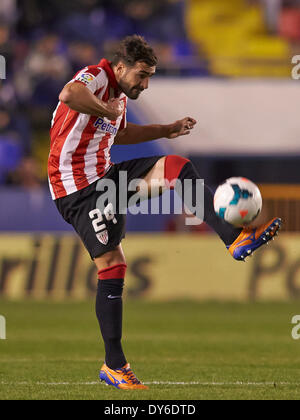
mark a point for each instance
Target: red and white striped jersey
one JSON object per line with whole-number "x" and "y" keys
{"x": 80, "y": 143}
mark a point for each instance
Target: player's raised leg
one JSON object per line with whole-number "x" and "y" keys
{"x": 240, "y": 242}
{"x": 109, "y": 308}
{"x": 170, "y": 168}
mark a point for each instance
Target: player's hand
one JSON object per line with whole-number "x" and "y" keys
{"x": 115, "y": 109}
{"x": 181, "y": 127}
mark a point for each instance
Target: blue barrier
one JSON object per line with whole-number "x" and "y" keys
{"x": 34, "y": 211}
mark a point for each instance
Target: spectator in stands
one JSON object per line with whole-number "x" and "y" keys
{"x": 86, "y": 23}
{"x": 6, "y": 45}
{"x": 8, "y": 95}
{"x": 81, "y": 54}
{"x": 11, "y": 145}
{"x": 45, "y": 43}
{"x": 289, "y": 21}
{"x": 156, "y": 20}
{"x": 282, "y": 17}
{"x": 272, "y": 9}
{"x": 45, "y": 71}
{"x": 26, "y": 174}
{"x": 8, "y": 11}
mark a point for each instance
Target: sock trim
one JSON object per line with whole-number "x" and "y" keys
{"x": 116, "y": 271}
{"x": 173, "y": 167}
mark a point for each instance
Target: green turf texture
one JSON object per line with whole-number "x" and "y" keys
{"x": 54, "y": 351}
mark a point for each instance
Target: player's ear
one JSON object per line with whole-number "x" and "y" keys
{"x": 120, "y": 68}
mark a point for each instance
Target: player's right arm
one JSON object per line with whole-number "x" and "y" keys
{"x": 79, "y": 98}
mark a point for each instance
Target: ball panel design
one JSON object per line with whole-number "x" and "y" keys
{"x": 238, "y": 201}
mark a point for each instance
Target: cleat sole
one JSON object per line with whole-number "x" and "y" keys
{"x": 264, "y": 239}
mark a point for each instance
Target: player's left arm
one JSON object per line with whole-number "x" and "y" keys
{"x": 134, "y": 134}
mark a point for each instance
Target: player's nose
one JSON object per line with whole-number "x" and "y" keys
{"x": 144, "y": 84}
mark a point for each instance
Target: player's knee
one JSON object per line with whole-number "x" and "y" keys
{"x": 110, "y": 258}
{"x": 173, "y": 166}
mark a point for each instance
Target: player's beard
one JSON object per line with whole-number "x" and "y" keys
{"x": 131, "y": 92}
{"x": 134, "y": 93}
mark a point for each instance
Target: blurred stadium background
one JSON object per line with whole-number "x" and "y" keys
{"x": 229, "y": 65}
{"x": 226, "y": 63}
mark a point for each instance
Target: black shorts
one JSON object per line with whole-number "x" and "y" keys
{"x": 102, "y": 231}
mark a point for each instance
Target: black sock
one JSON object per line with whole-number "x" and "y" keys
{"x": 109, "y": 310}
{"x": 226, "y": 232}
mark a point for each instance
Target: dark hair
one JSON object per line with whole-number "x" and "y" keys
{"x": 133, "y": 49}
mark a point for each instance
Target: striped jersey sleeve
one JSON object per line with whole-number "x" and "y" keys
{"x": 80, "y": 143}
{"x": 92, "y": 77}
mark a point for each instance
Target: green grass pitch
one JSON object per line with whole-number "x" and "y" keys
{"x": 183, "y": 350}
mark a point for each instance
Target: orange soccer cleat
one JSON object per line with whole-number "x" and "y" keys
{"x": 251, "y": 239}
{"x": 122, "y": 378}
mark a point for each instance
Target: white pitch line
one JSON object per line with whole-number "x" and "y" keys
{"x": 238, "y": 383}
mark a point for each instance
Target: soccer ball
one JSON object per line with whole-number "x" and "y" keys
{"x": 238, "y": 201}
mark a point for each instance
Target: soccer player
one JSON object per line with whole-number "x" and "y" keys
{"x": 90, "y": 117}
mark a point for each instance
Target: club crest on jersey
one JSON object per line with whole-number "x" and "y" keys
{"x": 106, "y": 127}
{"x": 86, "y": 78}
{"x": 103, "y": 237}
